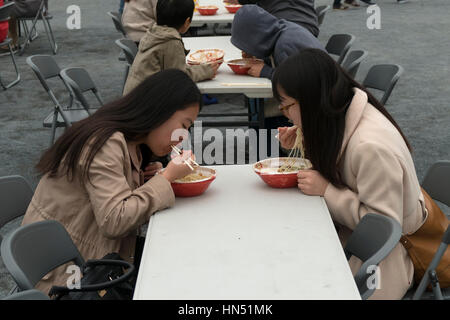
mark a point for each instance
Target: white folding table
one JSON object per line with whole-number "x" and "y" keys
{"x": 244, "y": 240}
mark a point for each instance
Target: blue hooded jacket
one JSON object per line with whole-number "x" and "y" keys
{"x": 260, "y": 34}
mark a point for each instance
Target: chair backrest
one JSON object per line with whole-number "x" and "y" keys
{"x": 437, "y": 182}
{"x": 31, "y": 294}
{"x": 383, "y": 77}
{"x": 339, "y": 44}
{"x": 129, "y": 48}
{"x": 373, "y": 239}
{"x": 116, "y": 18}
{"x": 79, "y": 81}
{"x": 321, "y": 10}
{"x": 32, "y": 251}
{"x": 15, "y": 196}
{"x": 5, "y": 11}
{"x": 353, "y": 61}
{"x": 45, "y": 67}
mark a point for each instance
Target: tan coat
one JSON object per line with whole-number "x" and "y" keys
{"x": 162, "y": 48}
{"x": 138, "y": 16}
{"x": 104, "y": 216}
{"x": 378, "y": 169}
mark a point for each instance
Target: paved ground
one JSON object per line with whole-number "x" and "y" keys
{"x": 414, "y": 35}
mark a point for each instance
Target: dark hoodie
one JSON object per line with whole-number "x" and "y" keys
{"x": 301, "y": 12}
{"x": 260, "y": 34}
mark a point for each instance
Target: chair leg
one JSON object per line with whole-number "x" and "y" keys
{"x": 50, "y": 36}
{"x": 55, "y": 119}
{"x": 28, "y": 35}
{"x": 16, "y": 81}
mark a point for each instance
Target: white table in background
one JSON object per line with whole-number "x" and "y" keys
{"x": 255, "y": 88}
{"x": 244, "y": 240}
{"x": 222, "y": 15}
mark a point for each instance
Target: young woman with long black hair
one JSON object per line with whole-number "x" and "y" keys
{"x": 361, "y": 159}
{"x": 94, "y": 175}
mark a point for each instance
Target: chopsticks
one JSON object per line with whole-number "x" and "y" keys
{"x": 178, "y": 152}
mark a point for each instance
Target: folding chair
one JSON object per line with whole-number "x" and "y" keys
{"x": 15, "y": 196}
{"x": 130, "y": 49}
{"x": 45, "y": 68}
{"x": 353, "y": 61}
{"x": 5, "y": 12}
{"x": 32, "y": 294}
{"x": 339, "y": 44}
{"x": 43, "y": 16}
{"x": 79, "y": 81}
{"x": 321, "y": 10}
{"x": 383, "y": 77}
{"x": 116, "y": 18}
{"x": 33, "y": 250}
{"x": 373, "y": 239}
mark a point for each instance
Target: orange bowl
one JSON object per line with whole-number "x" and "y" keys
{"x": 207, "y": 10}
{"x": 194, "y": 188}
{"x": 239, "y": 66}
{"x": 205, "y": 56}
{"x": 267, "y": 170}
{"x": 232, "y": 8}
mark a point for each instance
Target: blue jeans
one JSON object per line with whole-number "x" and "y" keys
{"x": 122, "y": 3}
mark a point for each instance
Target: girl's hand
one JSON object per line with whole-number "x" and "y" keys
{"x": 176, "y": 168}
{"x": 151, "y": 169}
{"x": 311, "y": 182}
{"x": 214, "y": 66}
{"x": 287, "y": 136}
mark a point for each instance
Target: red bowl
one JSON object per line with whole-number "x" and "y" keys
{"x": 232, "y": 8}
{"x": 266, "y": 170}
{"x": 207, "y": 10}
{"x": 238, "y": 66}
{"x": 194, "y": 188}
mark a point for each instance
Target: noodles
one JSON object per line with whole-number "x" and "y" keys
{"x": 298, "y": 151}
{"x": 192, "y": 177}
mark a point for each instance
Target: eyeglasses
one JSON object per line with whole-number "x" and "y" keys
{"x": 285, "y": 108}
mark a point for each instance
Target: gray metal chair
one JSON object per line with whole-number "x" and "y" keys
{"x": 79, "y": 81}
{"x": 130, "y": 50}
{"x": 353, "y": 61}
{"x": 373, "y": 239}
{"x": 15, "y": 196}
{"x": 5, "y": 12}
{"x": 437, "y": 184}
{"x": 45, "y": 68}
{"x": 321, "y": 10}
{"x": 32, "y": 251}
{"x": 117, "y": 20}
{"x": 32, "y": 294}
{"x": 339, "y": 45}
{"x": 41, "y": 15}
{"x": 383, "y": 77}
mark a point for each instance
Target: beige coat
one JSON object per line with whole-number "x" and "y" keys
{"x": 138, "y": 16}
{"x": 104, "y": 216}
{"x": 378, "y": 169}
{"x": 162, "y": 48}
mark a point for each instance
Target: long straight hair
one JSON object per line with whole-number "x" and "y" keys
{"x": 324, "y": 91}
{"x": 135, "y": 115}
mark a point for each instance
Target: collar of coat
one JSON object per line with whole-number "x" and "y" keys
{"x": 157, "y": 34}
{"x": 353, "y": 117}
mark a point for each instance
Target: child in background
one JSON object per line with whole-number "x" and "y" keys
{"x": 162, "y": 47}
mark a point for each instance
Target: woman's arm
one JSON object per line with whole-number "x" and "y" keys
{"x": 119, "y": 209}
{"x": 379, "y": 189}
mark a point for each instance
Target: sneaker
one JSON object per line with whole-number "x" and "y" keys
{"x": 352, "y": 3}
{"x": 340, "y": 7}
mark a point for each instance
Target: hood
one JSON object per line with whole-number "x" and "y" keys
{"x": 158, "y": 34}
{"x": 255, "y": 31}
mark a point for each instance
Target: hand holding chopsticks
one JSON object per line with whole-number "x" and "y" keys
{"x": 189, "y": 163}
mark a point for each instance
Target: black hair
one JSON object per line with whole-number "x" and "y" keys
{"x": 173, "y": 13}
{"x": 324, "y": 91}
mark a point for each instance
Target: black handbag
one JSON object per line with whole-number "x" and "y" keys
{"x": 109, "y": 278}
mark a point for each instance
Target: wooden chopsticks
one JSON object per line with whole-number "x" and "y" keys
{"x": 178, "y": 151}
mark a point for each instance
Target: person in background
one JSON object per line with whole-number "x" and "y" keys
{"x": 121, "y": 5}
{"x": 301, "y": 12}
{"x": 137, "y": 17}
{"x": 337, "y": 4}
{"x": 261, "y": 35}
{"x": 94, "y": 176}
{"x": 162, "y": 47}
{"x": 361, "y": 160}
